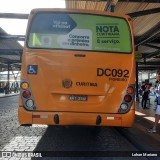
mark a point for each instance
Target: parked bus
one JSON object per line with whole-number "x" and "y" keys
{"x": 78, "y": 68}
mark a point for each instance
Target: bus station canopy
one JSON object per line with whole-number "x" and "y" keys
{"x": 146, "y": 23}
{"x": 10, "y": 53}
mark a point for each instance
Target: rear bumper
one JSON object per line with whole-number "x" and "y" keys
{"x": 74, "y": 118}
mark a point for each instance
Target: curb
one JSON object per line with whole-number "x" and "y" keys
{"x": 4, "y": 96}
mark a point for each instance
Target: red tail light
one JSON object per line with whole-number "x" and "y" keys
{"x": 26, "y": 94}
{"x": 127, "y": 98}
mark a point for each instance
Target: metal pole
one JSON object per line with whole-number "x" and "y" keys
{"x": 7, "y": 87}
{"x": 137, "y": 96}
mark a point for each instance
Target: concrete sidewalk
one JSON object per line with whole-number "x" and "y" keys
{"x": 143, "y": 121}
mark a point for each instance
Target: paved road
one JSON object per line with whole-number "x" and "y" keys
{"x": 39, "y": 138}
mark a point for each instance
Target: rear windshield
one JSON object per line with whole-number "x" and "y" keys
{"x": 75, "y": 31}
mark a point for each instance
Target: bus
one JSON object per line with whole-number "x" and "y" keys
{"x": 78, "y": 68}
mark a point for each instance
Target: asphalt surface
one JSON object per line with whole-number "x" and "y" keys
{"x": 67, "y": 142}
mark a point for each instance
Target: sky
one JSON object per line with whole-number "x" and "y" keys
{"x": 18, "y": 26}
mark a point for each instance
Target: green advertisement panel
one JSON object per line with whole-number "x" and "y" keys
{"x": 80, "y": 32}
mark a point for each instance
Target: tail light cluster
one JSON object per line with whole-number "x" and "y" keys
{"x": 127, "y": 100}
{"x": 27, "y": 97}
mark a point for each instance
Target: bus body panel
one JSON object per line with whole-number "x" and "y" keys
{"x": 24, "y": 116}
{"x": 105, "y": 93}
{"x": 99, "y": 79}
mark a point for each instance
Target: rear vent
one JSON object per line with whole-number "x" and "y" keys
{"x": 80, "y": 55}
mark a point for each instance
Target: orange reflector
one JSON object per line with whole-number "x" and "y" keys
{"x": 117, "y": 118}
{"x": 130, "y": 90}
{"x": 24, "y": 85}
{"x": 35, "y": 116}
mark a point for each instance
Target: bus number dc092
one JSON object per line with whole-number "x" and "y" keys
{"x": 112, "y": 72}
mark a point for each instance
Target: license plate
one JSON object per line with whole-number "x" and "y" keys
{"x": 78, "y": 98}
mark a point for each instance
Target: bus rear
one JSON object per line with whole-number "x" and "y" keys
{"x": 78, "y": 68}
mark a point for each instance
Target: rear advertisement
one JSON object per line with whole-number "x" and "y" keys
{"x": 80, "y": 32}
